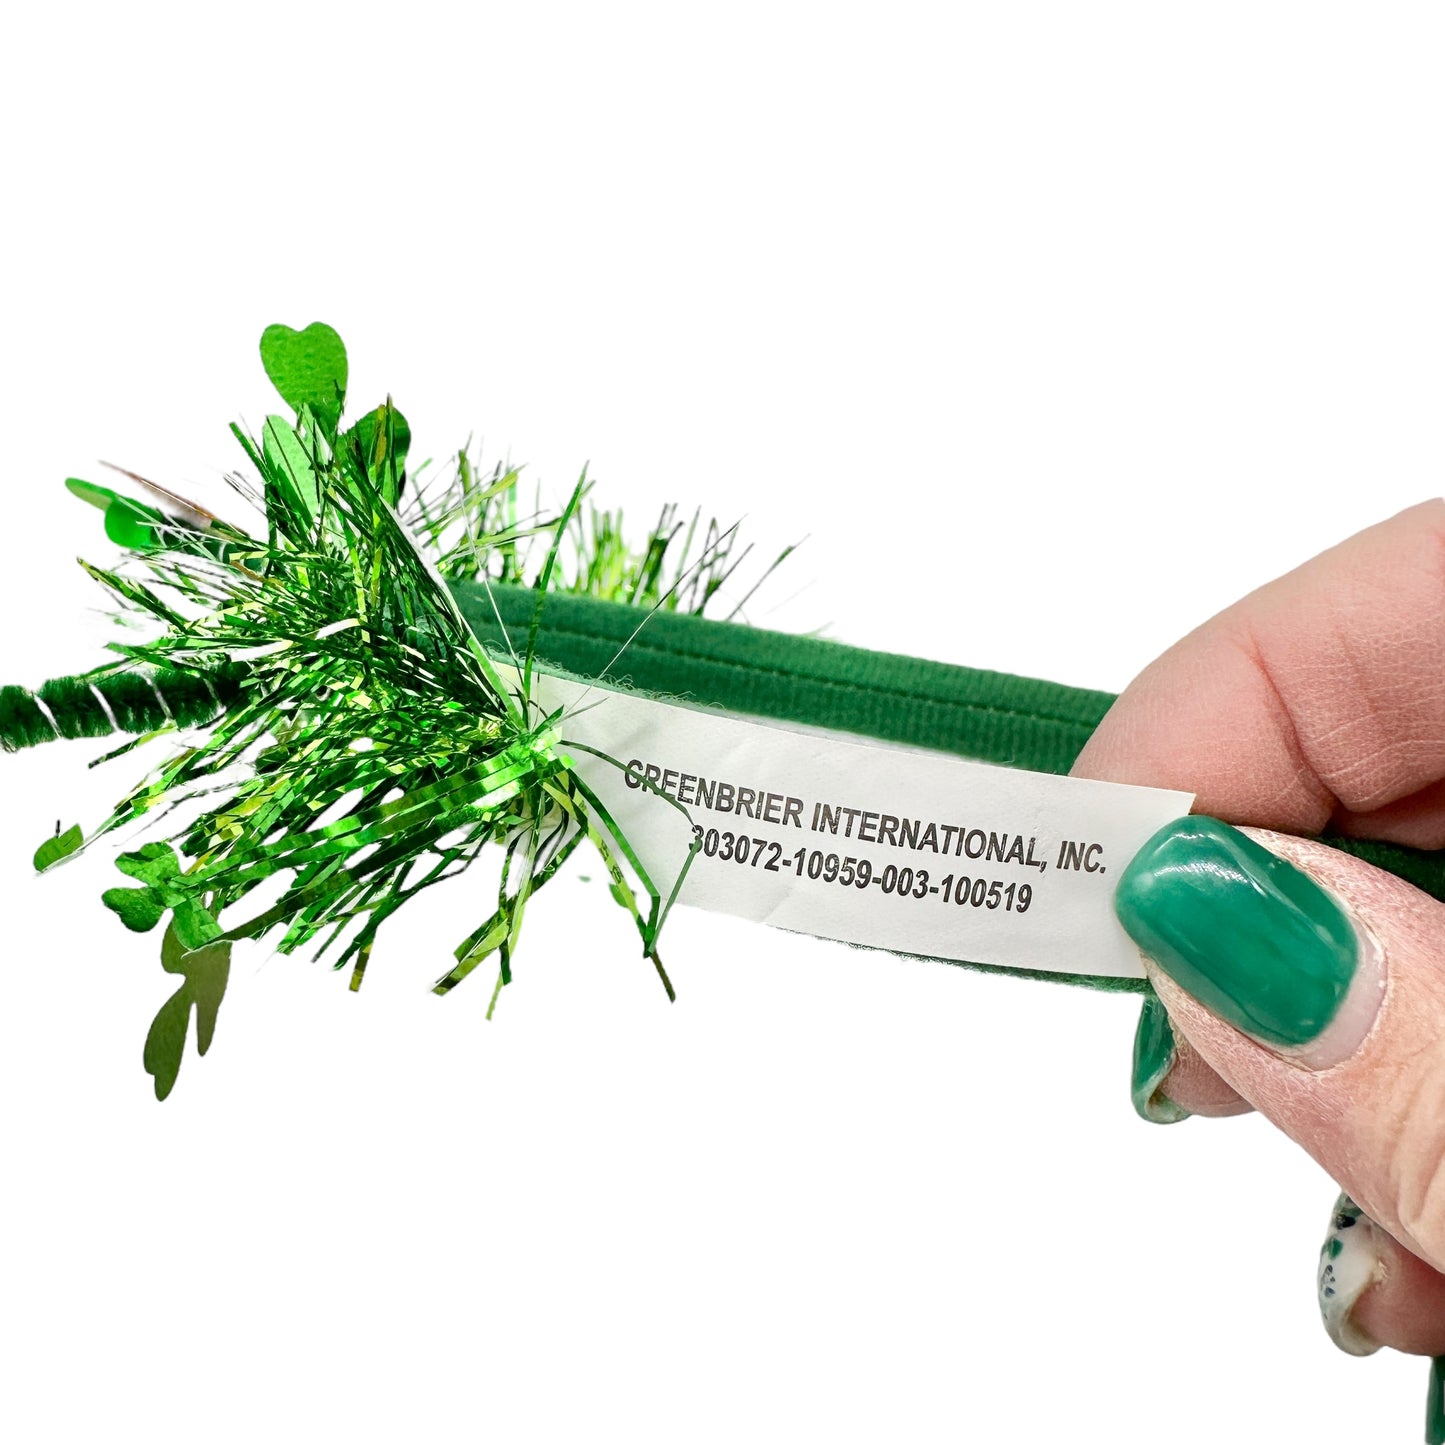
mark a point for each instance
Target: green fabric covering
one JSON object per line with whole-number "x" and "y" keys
{"x": 988, "y": 716}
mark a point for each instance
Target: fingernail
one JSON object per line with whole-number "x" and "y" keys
{"x": 1154, "y": 1056}
{"x": 1252, "y": 937}
{"x": 1349, "y": 1265}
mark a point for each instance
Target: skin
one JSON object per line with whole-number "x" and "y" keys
{"x": 1320, "y": 700}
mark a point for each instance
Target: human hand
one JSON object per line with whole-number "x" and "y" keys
{"x": 1311, "y": 989}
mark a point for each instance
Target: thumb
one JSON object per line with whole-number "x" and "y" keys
{"x": 1315, "y": 986}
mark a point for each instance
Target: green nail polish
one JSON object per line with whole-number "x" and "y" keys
{"x": 1154, "y": 1056}
{"x": 1253, "y": 938}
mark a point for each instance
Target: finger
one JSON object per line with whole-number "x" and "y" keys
{"x": 1373, "y": 1292}
{"x": 1314, "y": 986}
{"x": 1413, "y": 821}
{"x": 1170, "y": 1080}
{"x": 1318, "y": 698}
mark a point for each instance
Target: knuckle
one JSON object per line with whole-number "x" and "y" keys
{"x": 1416, "y": 1160}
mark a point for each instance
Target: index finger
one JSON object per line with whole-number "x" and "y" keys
{"x": 1318, "y": 699}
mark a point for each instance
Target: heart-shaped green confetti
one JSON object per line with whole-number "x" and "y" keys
{"x": 205, "y": 971}
{"x": 290, "y": 471}
{"x": 155, "y": 865}
{"x": 383, "y": 439}
{"x": 128, "y": 523}
{"x": 139, "y": 909}
{"x": 62, "y": 845}
{"x": 152, "y": 863}
{"x": 308, "y": 368}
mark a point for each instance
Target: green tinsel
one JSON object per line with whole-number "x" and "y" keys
{"x": 345, "y": 728}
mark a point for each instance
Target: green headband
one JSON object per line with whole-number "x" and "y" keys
{"x": 351, "y": 660}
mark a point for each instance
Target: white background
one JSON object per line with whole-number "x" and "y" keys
{"x": 1056, "y": 328}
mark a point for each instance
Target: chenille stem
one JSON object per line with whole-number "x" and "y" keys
{"x": 96, "y": 705}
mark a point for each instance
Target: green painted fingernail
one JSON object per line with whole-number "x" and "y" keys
{"x": 1252, "y": 937}
{"x": 1154, "y": 1056}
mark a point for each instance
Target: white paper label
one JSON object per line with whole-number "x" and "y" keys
{"x": 872, "y": 843}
